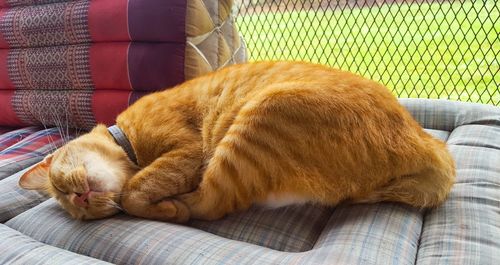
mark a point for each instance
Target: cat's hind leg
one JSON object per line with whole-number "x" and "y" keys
{"x": 428, "y": 187}
{"x": 221, "y": 192}
{"x": 253, "y": 156}
{"x": 264, "y": 152}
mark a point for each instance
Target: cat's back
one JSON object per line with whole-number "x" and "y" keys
{"x": 283, "y": 121}
{"x": 337, "y": 97}
{"x": 237, "y": 84}
{"x": 256, "y": 76}
{"x": 207, "y": 105}
{"x": 241, "y": 82}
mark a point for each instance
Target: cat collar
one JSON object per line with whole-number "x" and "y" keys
{"x": 121, "y": 140}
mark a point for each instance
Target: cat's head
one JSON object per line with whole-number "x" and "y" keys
{"x": 85, "y": 176}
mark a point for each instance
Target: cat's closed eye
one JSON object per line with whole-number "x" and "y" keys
{"x": 59, "y": 189}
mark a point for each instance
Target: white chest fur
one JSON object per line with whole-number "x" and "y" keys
{"x": 101, "y": 175}
{"x": 276, "y": 200}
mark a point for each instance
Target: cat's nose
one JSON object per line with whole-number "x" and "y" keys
{"x": 81, "y": 199}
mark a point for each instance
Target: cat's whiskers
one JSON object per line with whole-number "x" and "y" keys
{"x": 120, "y": 194}
{"x": 62, "y": 124}
{"x": 106, "y": 201}
{"x": 72, "y": 159}
{"x": 55, "y": 120}
{"x": 52, "y": 143}
{"x": 115, "y": 205}
{"x": 38, "y": 112}
{"x": 67, "y": 125}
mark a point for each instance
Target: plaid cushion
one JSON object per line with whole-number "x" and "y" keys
{"x": 20, "y": 249}
{"x": 372, "y": 233}
{"x": 463, "y": 230}
{"x": 29, "y": 151}
{"x": 466, "y": 228}
{"x": 9, "y": 138}
{"x": 298, "y": 230}
{"x": 15, "y": 200}
{"x": 448, "y": 115}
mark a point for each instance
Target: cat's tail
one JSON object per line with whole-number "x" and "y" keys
{"x": 427, "y": 187}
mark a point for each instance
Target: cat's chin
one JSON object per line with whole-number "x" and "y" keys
{"x": 85, "y": 215}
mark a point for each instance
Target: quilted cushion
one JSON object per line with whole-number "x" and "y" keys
{"x": 85, "y": 61}
{"x": 461, "y": 231}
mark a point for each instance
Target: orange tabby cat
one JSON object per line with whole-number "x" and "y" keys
{"x": 272, "y": 133}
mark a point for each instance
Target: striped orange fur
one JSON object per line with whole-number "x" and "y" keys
{"x": 258, "y": 133}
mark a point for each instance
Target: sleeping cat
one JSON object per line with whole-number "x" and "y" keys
{"x": 272, "y": 133}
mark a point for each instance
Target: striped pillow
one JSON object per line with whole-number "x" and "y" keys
{"x": 85, "y": 61}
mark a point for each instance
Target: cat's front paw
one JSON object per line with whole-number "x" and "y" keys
{"x": 177, "y": 211}
{"x": 201, "y": 207}
{"x": 170, "y": 210}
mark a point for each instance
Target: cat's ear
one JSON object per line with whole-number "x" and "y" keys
{"x": 36, "y": 178}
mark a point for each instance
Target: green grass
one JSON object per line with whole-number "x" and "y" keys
{"x": 439, "y": 50}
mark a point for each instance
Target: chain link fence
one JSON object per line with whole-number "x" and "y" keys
{"x": 428, "y": 49}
